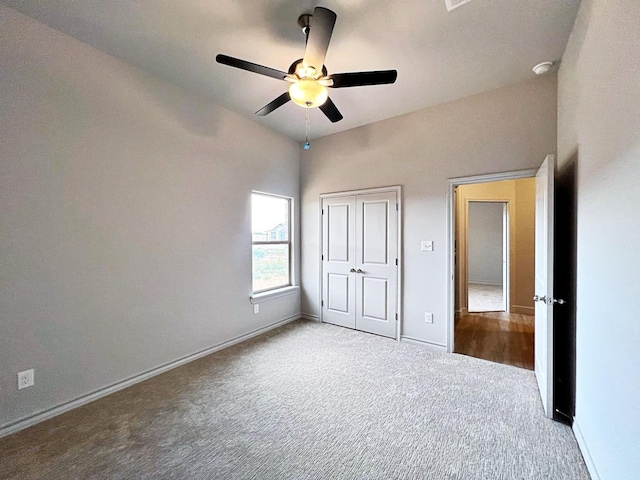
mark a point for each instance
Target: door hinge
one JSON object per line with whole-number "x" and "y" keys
{"x": 322, "y": 257}
{"x": 322, "y": 303}
{"x": 396, "y": 207}
{"x": 396, "y": 317}
{"x": 396, "y": 262}
{"x": 323, "y": 211}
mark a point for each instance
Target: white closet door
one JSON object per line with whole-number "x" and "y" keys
{"x": 338, "y": 259}
{"x": 359, "y": 262}
{"x": 376, "y": 269}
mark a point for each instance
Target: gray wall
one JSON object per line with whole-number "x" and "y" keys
{"x": 599, "y": 130}
{"x": 125, "y": 228}
{"x": 511, "y": 128}
{"x": 484, "y": 242}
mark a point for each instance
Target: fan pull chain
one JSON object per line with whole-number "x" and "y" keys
{"x": 306, "y": 138}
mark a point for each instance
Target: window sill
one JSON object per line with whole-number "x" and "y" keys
{"x": 271, "y": 294}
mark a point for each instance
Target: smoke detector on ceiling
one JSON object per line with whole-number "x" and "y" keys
{"x": 542, "y": 68}
{"x": 451, "y": 4}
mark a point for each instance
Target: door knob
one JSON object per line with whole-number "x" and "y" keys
{"x": 559, "y": 301}
{"x": 359, "y": 271}
{"x": 353, "y": 270}
{"x": 542, "y": 299}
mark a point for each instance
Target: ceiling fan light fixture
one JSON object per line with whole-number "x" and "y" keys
{"x": 308, "y": 93}
{"x": 306, "y": 72}
{"x": 308, "y": 75}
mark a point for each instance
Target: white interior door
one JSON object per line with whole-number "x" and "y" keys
{"x": 338, "y": 259}
{"x": 544, "y": 283}
{"x": 376, "y": 269}
{"x": 359, "y": 262}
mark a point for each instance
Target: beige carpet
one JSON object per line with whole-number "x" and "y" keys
{"x": 308, "y": 401}
{"x": 485, "y": 298}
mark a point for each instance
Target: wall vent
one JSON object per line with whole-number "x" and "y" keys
{"x": 451, "y": 4}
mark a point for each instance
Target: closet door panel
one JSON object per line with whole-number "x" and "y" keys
{"x": 376, "y": 269}
{"x": 338, "y": 259}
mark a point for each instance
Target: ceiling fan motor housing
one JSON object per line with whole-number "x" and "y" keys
{"x": 297, "y": 68}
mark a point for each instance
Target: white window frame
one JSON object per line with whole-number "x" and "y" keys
{"x": 287, "y": 288}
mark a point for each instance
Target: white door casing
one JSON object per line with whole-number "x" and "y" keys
{"x": 506, "y": 247}
{"x": 544, "y": 282}
{"x": 451, "y": 229}
{"x": 505, "y": 252}
{"x": 359, "y": 262}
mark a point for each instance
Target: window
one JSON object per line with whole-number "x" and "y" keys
{"x": 271, "y": 235}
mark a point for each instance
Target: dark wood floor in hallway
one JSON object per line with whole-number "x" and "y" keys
{"x": 496, "y": 336}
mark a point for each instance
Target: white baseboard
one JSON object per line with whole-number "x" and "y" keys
{"x": 522, "y": 310}
{"x": 310, "y": 316}
{"x": 436, "y": 347}
{"x": 41, "y": 416}
{"x": 582, "y": 444}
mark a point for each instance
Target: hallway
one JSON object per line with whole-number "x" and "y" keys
{"x": 496, "y": 336}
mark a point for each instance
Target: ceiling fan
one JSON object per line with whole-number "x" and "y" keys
{"x": 308, "y": 76}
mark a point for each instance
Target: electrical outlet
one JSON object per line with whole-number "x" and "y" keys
{"x": 256, "y": 308}
{"x": 428, "y": 317}
{"x": 25, "y": 379}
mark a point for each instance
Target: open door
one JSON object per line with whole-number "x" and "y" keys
{"x": 544, "y": 283}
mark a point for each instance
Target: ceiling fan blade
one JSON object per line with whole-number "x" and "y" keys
{"x": 251, "y": 67}
{"x": 359, "y": 79}
{"x": 277, "y": 103}
{"x": 331, "y": 111}
{"x": 322, "y": 23}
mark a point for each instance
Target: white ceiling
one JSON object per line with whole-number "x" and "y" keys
{"x": 440, "y": 56}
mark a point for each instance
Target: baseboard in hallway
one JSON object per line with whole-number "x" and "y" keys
{"x": 522, "y": 310}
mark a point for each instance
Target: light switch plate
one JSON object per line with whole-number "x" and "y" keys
{"x": 426, "y": 245}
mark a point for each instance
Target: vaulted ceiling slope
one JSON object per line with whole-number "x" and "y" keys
{"x": 439, "y": 55}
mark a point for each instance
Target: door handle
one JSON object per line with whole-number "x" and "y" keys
{"x": 542, "y": 299}
{"x": 559, "y": 301}
{"x": 353, "y": 270}
{"x": 359, "y": 271}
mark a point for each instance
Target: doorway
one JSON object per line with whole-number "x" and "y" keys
{"x": 487, "y": 242}
{"x": 493, "y": 269}
{"x": 360, "y": 260}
